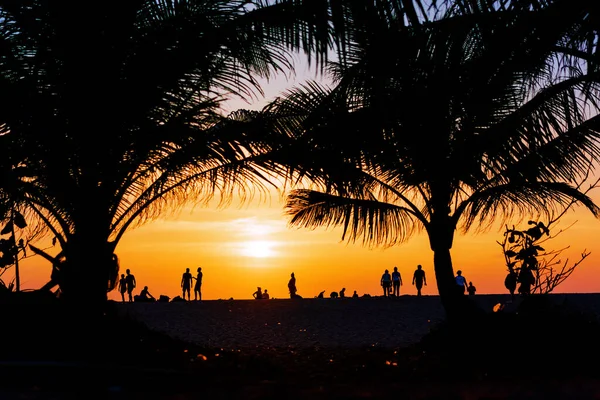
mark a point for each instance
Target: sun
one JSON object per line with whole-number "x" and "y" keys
{"x": 258, "y": 248}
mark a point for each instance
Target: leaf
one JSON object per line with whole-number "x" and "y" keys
{"x": 19, "y": 220}
{"x": 510, "y": 253}
{"x": 7, "y": 229}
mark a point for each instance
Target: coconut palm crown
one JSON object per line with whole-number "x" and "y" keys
{"x": 479, "y": 116}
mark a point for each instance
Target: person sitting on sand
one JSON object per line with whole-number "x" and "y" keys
{"x": 265, "y": 295}
{"x": 419, "y": 279}
{"x": 258, "y": 295}
{"x": 343, "y": 292}
{"x": 471, "y": 289}
{"x": 386, "y": 283}
{"x": 333, "y": 295}
{"x": 186, "y": 283}
{"x": 145, "y": 296}
{"x": 355, "y": 295}
{"x": 320, "y": 296}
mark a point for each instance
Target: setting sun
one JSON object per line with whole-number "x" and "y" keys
{"x": 258, "y": 249}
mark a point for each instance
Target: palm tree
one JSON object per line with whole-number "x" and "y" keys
{"x": 452, "y": 124}
{"x": 115, "y": 114}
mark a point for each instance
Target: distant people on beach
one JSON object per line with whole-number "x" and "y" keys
{"x": 355, "y": 295}
{"x": 258, "y": 295}
{"x": 461, "y": 282}
{"x": 198, "y": 285}
{"x": 419, "y": 279}
{"x": 145, "y": 296}
{"x": 123, "y": 287}
{"x": 510, "y": 283}
{"x": 386, "y": 283}
{"x": 186, "y": 284}
{"x": 396, "y": 282}
{"x": 320, "y": 295}
{"x": 130, "y": 283}
{"x": 334, "y": 295}
{"x": 266, "y": 295}
{"x": 343, "y": 292}
{"x": 471, "y": 289}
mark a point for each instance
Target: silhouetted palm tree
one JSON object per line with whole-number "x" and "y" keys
{"x": 480, "y": 115}
{"x": 113, "y": 110}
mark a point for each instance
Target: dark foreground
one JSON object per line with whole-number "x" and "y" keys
{"x": 544, "y": 351}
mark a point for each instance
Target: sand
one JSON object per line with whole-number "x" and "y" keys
{"x": 312, "y": 323}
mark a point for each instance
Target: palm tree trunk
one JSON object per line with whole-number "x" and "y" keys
{"x": 441, "y": 236}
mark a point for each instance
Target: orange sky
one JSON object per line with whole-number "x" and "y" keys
{"x": 240, "y": 248}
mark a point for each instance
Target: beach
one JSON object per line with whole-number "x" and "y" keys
{"x": 314, "y": 323}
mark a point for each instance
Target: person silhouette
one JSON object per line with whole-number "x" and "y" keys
{"x": 461, "y": 282}
{"x": 386, "y": 283}
{"x": 292, "y": 286}
{"x": 396, "y": 282}
{"x": 265, "y": 295}
{"x": 130, "y": 283}
{"x": 320, "y": 296}
{"x": 343, "y": 292}
{"x": 419, "y": 279}
{"x": 145, "y": 295}
{"x": 355, "y": 295}
{"x": 198, "y": 285}
{"x": 186, "y": 283}
{"x": 258, "y": 295}
{"x": 123, "y": 287}
{"x": 471, "y": 289}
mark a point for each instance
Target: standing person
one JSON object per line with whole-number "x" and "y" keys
{"x": 292, "y": 286}
{"x": 419, "y": 279}
{"x": 461, "y": 282}
{"x": 122, "y": 287}
{"x": 186, "y": 283}
{"x": 258, "y": 295}
{"x": 396, "y": 282}
{"x": 198, "y": 285}
{"x": 386, "y": 283}
{"x": 130, "y": 283}
{"x": 471, "y": 289}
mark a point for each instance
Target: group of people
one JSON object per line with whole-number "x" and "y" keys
{"x": 391, "y": 282}
{"x": 127, "y": 284}
{"x": 260, "y": 294}
{"x": 186, "y": 284}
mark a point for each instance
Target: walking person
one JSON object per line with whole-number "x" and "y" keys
{"x": 186, "y": 283}
{"x": 198, "y": 285}
{"x": 123, "y": 287}
{"x": 419, "y": 279}
{"x": 396, "y": 282}
{"x": 386, "y": 283}
{"x": 130, "y": 283}
{"x": 461, "y": 282}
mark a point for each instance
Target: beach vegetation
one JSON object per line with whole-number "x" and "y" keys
{"x": 451, "y": 125}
